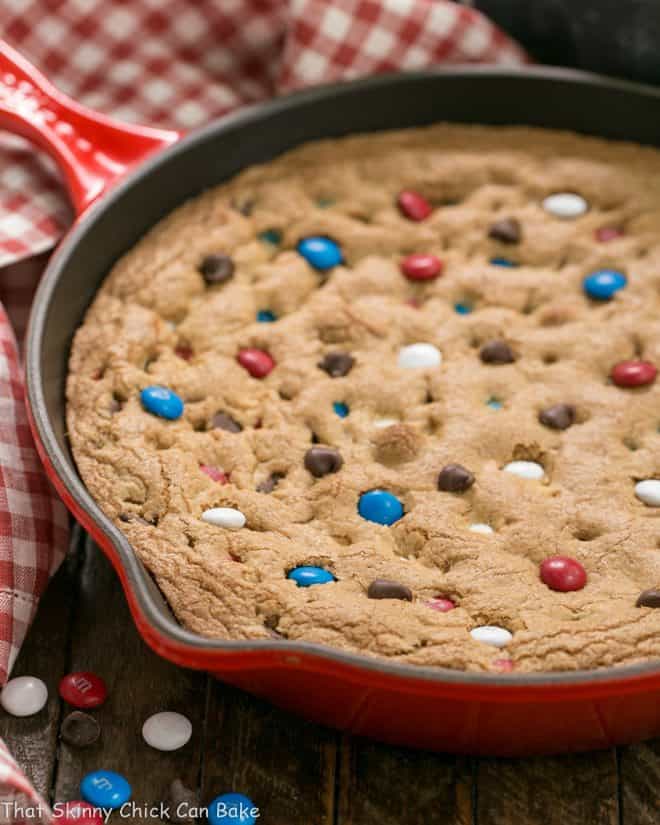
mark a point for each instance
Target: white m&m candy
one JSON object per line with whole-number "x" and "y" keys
{"x": 485, "y": 529}
{"x": 491, "y": 635}
{"x": 415, "y": 356}
{"x": 525, "y": 469}
{"x": 226, "y": 517}
{"x": 167, "y": 731}
{"x": 648, "y": 491}
{"x": 566, "y": 205}
{"x": 24, "y": 696}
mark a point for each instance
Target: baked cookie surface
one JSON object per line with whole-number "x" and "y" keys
{"x": 366, "y": 394}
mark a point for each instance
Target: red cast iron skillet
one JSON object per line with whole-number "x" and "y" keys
{"x": 419, "y": 706}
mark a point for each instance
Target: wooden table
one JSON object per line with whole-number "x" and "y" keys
{"x": 296, "y": 772}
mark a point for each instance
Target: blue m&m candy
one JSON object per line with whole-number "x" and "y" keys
{"x": 462, "y": 308}
{"x": 307, "y": 576}
{"x": 380, "y": 506}
{"x": 320, "y": 252}
{"x": 265, "y": 316}
{"x": 105, "y": 789}
{"x": 503, "y": 262}
{"x": 162, "y": 402}
{"x": 340, "y": 409}
{"x": 232, "y": 809}
{"x": 602, "y": 284}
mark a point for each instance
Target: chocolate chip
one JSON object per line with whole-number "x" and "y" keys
{"x": 320, "y": 461}
{"x": 558, "y": 417}
{"x": 649, "y": 598}
{"x": 270, "y": 483}
{"x": 385, "y": 589}
{"x": 182, "y": 803}
{"x": 337, "y": 364}
{"x": 454, "y": 478}
{"x": 496, "y": 352}
{"x": 216, "y": 269}
{"x": 507, "y": 231}
{"x": 222, "y": 421}
{"x": 80, "y": 729}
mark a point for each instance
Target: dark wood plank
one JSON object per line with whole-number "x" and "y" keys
{"x": 640, "y": 783}
{"x": 285, "y": 765}
{"x": 33, "y": 739}
{"x": 392, "y": 786}
{"x": 580, "y": 789}
{"x": 104, "y": 640}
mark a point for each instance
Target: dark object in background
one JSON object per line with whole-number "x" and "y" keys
{"x": 615, "y": 37}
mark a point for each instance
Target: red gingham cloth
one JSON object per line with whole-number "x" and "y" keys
{"x": 176, "y": 64}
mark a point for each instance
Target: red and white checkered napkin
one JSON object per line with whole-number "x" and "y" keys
{"x": 175, "y": 64}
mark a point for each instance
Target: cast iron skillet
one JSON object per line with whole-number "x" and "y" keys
{"x": 420, "y": 706}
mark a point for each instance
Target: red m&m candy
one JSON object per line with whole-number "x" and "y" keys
{"x": 634, "y": 373}
{"x": 214, "y": 473}
{"x": 257, "y": 362}
{"x": 421, "y": 267}
{"x": 563, "y": 574}
{"x": 441, "y": 604}
{"x": 608, "y": 233}
{"x": 83, "y": 690}
{"x": 413, "y": 205}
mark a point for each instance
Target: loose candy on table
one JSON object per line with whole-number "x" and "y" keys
{"x": 232, "y": 809}
{"x": 633, "y": 373}
{"x": 648, "y": 491}
{"x": 380, "y": 507}
{"x": 227, "y": 517}
{"x": 24, "y": 696}
{"x": 83, "y": 690}
{"x": 566, "y": 205}
{"x": 421, "y": 267}
{"x": 604, "y": 284}
{"x": 162, "y": 402}
{"x": 320, "y": 252}
{"x": 491, "y": 635}
{"x": 413, "y": 205}
{"x": 308, "y": 575}
{"x": 386, "y": 589}
{"x": 256, "y": 361}
{"x": 419, "y": 356}
{"x": 454, "y": 478}
{"x": 77, "y": 812}
{"x": 558, "y": 416}
{"x": 105, "y": 789}
{"x": 337, "y": 364}
{"x": 649, "y": 598}
{"x": 563, "y": 574}
{"x": 217, "y": 269}
{"x": 506, "y": 230}
{"x": 80, "y": 729}
{"x": 321, "y": 461}
{"x": 525, "y": 469}
{"x": 167, "y": 731}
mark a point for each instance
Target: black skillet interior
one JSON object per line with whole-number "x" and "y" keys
{"x": 552, "y": 98}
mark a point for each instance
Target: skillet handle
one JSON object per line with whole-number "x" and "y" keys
{"x": 91, "y": 150}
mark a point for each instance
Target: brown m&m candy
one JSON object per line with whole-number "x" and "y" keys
{"x": 223, "y": 421}
{"x": 454, "y": 478}
{"x": 649, "y": 598}
{"x": 497, "y": 352}
{"x": 558, "y": 417}
{"x": 216, "y": 269}
{"x": 321, "y": 461}
{"x": 506, "y": 230}
{"x": 385, "y": 589}
{"x": 80, "y": 729}
{"x": 337, "y": 364}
